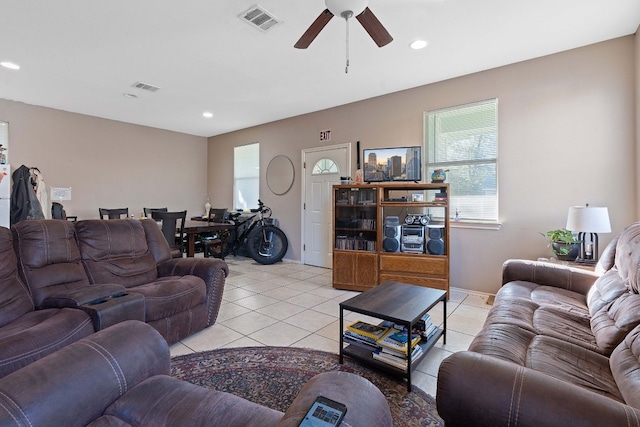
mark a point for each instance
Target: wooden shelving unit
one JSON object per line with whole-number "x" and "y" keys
{"x": 367, "y": 220}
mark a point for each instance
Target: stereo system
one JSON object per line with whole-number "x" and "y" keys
{"x": 413, "y": 238}
{"x": 417, "y": 219}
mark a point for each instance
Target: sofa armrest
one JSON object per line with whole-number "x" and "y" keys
{"x": 212, "y": 270}
{"x": 549, "y": 274}
{"x": 120, "y": 357}
{"x": 74, "y": 298}
{"x": 366, "y": 405}
{"x": 479, "y": 390}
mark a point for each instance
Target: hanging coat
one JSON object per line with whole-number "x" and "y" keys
{"x": 41, "y": 192}
{"x": 24, "y": 204}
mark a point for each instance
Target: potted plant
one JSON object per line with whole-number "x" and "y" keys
{"x": 564, "y": 244}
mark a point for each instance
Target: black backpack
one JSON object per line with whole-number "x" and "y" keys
{"x": 57, "y": 211}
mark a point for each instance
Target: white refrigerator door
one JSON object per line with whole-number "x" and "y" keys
{"x": 5, "y": 182}
{"x": 5, "y": 196}
{"x": 5, "y": 213}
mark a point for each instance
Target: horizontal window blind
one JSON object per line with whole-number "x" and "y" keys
{"x": 246, "y": 176}
{"x": 464, "y": 141}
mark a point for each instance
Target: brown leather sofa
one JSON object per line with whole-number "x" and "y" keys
{"x": 560, "y": 346}
{"x": 120, "y": 377}
{"x": 64, "y": 280}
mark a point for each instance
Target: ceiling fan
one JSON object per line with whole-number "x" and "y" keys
{"x": 347, "y": 9}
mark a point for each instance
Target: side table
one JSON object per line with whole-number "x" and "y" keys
{"x": 402, "y": 304}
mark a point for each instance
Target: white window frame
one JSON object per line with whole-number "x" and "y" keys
{"x": 474, "y": 207}
{"x": 246, "y": 176}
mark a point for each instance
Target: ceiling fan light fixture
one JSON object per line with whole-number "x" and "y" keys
{"x": 207, "y": 114}
{"x": 337, "y": 7}
{"x": 10, "y": 65}
{"x": 418, "y": 44}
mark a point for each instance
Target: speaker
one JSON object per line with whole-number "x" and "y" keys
{"x": 435, "y": 239}
{"x": 392, "y": 234}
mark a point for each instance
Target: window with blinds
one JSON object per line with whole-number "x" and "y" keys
{"x": 246, "y": 176}
{"x": 464, "y": 141}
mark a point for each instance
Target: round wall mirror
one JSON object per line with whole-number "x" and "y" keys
{"x": 280, "y": 174}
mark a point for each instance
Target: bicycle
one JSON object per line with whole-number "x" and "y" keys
{"x": 265, "y": 243}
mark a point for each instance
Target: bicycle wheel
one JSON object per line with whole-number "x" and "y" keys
{"x": 267, "y": 245}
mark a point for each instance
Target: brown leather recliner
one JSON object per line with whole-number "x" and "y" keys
{"x": 136, "y": 255}
{"x": 26, "y": 334}
{"x": 120, "y": 377}
{"x": 118, "y": 270}
{"x": 182, "y": 295}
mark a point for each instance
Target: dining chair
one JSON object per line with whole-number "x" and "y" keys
{"x": 217, "y": 215}
{"x": 147, "y": 211}
{"x": 113, "y": 213}
{"x": 172, "y": 224}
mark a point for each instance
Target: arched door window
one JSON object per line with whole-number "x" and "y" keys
{"x": 324, "y": 166}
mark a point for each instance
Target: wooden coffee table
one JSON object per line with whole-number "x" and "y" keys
{"x": 402, "y": 304}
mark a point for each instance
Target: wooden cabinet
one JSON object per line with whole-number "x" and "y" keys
{"x": 355, "y": 270}
{"x": 355, "y": 236}
{"x": 391, "y": 232}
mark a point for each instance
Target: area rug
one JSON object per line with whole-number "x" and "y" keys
{"x": 273, "y": 376}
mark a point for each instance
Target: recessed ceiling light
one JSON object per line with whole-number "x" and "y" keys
{"x": 418, "y": 44}
{"x": 10, "y": 65}
{"x": 129, "y": 95}
{"x": 207, "y": 114}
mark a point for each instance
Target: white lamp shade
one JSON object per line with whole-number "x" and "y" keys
{"x": 588, "y": 219}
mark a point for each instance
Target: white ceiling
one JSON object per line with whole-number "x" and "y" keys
{"x": 83, "y": 55}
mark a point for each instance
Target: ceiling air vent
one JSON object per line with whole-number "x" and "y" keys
{"x": 145, "y": 86}
{"x": 259, "y": 18}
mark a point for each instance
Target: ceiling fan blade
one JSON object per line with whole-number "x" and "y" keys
{"x": 376, "y": 30}
{"x": 313, "y": 31}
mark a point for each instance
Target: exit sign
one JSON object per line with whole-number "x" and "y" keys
{"x": 325, "y": 135}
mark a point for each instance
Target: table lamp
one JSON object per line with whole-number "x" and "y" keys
{"x": 588, "y": 221}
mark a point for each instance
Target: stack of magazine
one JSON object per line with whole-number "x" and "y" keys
{"x": 428, "y": 327}
{"x": 387, "y": 342}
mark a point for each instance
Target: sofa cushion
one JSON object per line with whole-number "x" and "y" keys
{"x": 171, "y": 295}
{"x": 504, "y": 341}
{"x": 38, "y": 333}
{"x": 48, "y": 257}
{"x": 625, "y": 367}
{"x": 551, "y": 355}
{"x": 523, "y": 292}
{"x": 606, "y": 289}
{"x": 627, "y": 256}
{"x": 14, "y": 296}
{"x": 610, "y": 326}
{"x": 116, "y": 251}
{"x": 574, "y": 364}
{"x": 544, "y": 310}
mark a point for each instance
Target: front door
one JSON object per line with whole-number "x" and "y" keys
{"x": 322, "y": 167}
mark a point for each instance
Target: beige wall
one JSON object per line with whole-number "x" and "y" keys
{"x": 107, "y": 163}
{"x": 637, "y": 60}
{"x": 566, "y": 137}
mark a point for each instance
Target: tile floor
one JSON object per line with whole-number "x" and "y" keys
{"x": 289, "y": 304}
